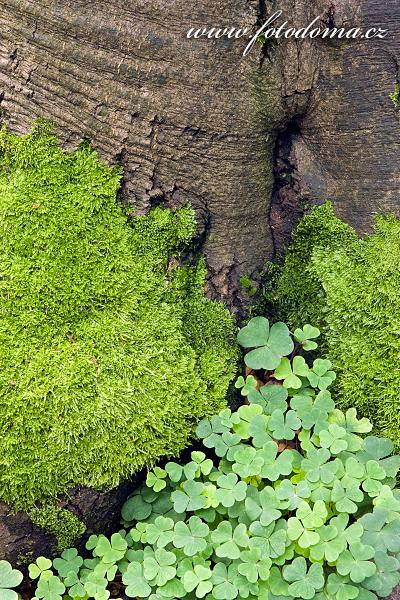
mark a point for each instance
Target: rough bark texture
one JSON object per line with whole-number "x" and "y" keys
{"x": 192, "y": 120}
{"x": 346, "y": 147}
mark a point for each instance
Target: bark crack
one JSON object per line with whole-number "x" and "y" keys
{"x": 288, "y": 200}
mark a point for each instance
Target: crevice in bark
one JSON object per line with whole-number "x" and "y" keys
{"x": 328, "y": 18}
{"x": 396, "y": 67}
{"x": 121, "y": 159}
{"x": 288, "y": 203}
{"x": 268, "y": 45}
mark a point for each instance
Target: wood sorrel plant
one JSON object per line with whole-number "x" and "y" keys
{"x": 294, "y": 504}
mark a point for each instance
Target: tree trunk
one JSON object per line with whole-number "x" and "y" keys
{"x": 245, "y": 140}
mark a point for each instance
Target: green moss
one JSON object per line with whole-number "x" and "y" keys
{"x": 62, "y": 523}
{"x": 107, "y": 357}
{"x": 294, "y": 293}
{"x": 24, "y": 559}
{"x": 362, "y": 287}
{"x": 350, "y": 288}
{"x": 395, "y": 95}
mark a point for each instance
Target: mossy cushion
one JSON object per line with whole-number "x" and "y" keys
{"x": 295, "y": 294}
{"x": 362, "y": 288}
{"x": 109, "y": 354}
{"x": 350, "y": 288}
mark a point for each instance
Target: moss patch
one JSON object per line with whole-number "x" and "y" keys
{"x": 362, "y": 287}
{"x": 107, "y": 357}
{"x": 294, "y": 292}
{"x": 61, "y": 522}
{"x": 350, "y": 288}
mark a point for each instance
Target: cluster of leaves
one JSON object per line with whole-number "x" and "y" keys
{"x": 296, "y": 502}
{"x": 110, "y": 354}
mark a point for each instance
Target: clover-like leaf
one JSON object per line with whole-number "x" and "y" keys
{"x": 245, "y": 588}
{"x": 263, "y": 506}
{"x": 375, "y": 474}
{"x": 69, "y": 561}
{"x": 270, "y": 397}
{"x": 382, "y": 535}
{"x": 345, "y": 535}
{"x": 191, "y": 536}
{"x": 292, "y": 495}
{"x": 199, "y": 465}
{"x": 198, "y": 580}
{"x": 253, "y": 566}
{"x": 334, "y": 438}
{"x": 346, "y": 499}
{"x": 160, "y": 533}
{"x": 284, "y": 427}
{"x": 76, "y": 589}
{"x": 156, "y": 479}
{"x": 41, "y": 565}
{"x": 341, "y": 588}
{"x": 387, "y": 575}
{"x": 354, "y": 472}
{"x": 135, "y": 581}
{"x": 317, "y": 467}
{"x": 230, "y": 490}
{"x": 159, "y": 567}
{"x": 303, "y": 583}
{"x": 210, "y": 431}
{"x": 172, "y": 589}
{"x": 111, "y": 551}
{"x": 189, "y": 498}
{"x": 387, "y": 499}
{"x": 302, "y": 526}
{"x": 246, "y": 414}
{"x": 270, "y": 343}
{"x": 248, "y": 462}
{"x": 174, "y": 471}
{"x": 298, "y": 532}
{"x": 306, "y": 337}
{"x": 330, "y": 545}
{"x": 50, "y": 588}
{"x": 320, "y": 376}
{"x": 224, "y": 588}
{"x": 313, "y": 412}
{"x": 274, "y": 466}
{"x": 259, "y": 431}
{"x": 137, "y": 508}
{"x": 270, "y": 540}
{"x": 312, "y": 517}
{"x": 290, "y": 372}
{"x": 228, "y": 541}
{"x": 246, "y": 386}
{"x": 9, "y": 578}
{"x": 356, "y": 562}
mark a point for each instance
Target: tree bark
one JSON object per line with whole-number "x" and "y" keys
{"x": 345, "y": 146}
{"x": 246, "y": 140}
